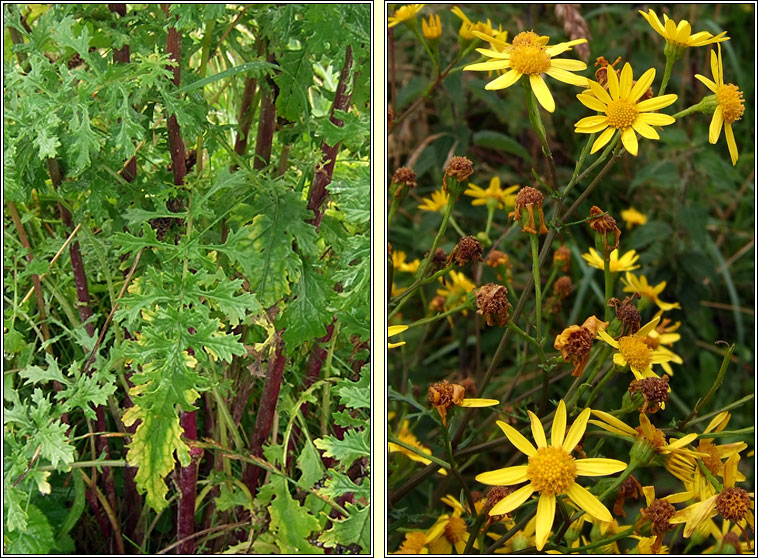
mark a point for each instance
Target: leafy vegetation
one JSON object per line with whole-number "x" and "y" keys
{"x": 187, "y": 274}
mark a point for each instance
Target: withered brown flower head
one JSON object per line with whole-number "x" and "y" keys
{"x": 496, "y": 258}
{"x": 492, "y": 303}
{"x": 562, "y": 258}
{"x": 439, "y": 259}
{"x": 563, "y": 286}
{"x": 630, "y": 489}
{"x": 442, "y": 395}
{"x": 601, "y": 74}
{"x": 437, "y": 304}
{"x": 494, "y": 495}
{"x": 733, "y": 504}
{"x": 405, "y": 176}
{"x": 659, "y": 511}
{"x": 627, "y": 314}
{"x": 528, "y": 198}
{"x": 575, "y": 342}
{"x": 604, "y": 225}
{"x": 467, "y": 250}
{"x": 654, "y": 390}
{"x": 458, "y": 169}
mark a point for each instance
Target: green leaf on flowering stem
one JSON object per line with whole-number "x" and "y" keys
{"x": 36, "y": 538}
{"x": 501, "y": 142}
{"x": 355, "y": 128}
{"x": 345, "y": 419}
{"x": 37, "y": 375}
{"x": 310, "y": 465}
{"x": 354, "y": 446}
{"x": 291, "y": 522}
{"x": 306, "y": 315}
{"x": 294, "y": 80}
{"x": 355, "y": 529}
{"x": 340, "y": 484}
{"x": 85, "y": 143}
{"x": 47, "y": 144}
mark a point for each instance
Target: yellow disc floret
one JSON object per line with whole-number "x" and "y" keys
{"x": 636, "y": 352}
{"x": 551, "y": 470}
{"x": 530, "y": 59}
{"x": 730, "y": 100}
{"x": 621, "y": 113}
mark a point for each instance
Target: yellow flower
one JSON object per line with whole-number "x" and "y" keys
{"x": 432, "y": 30}
{"x": 622, "y": 110}
{"x": 625, "y": 263}
{"x": 530, "y": 55}
{"x": 466, "y": 32}
{"x": 730, "y": 107}
{"x": 679, "y": 33}
{"x": 399, "y": 264}
{"x": 403, "y": 14}
{"x": 394, "y": 330}
{"x": 634, "y": 284}
{"x": 455, "y": 293}
{"x": 449, "y": 531}
{"x": 405, "y": 435}
{"x": 645, "y": 431}
{"x": 437, "y": 202}
{"x": 551, "y": 471}
{"x": 503, "y": 197}
{"x": 633, "y": 350}
{"x": 632, "y": 217}
{"x": 414, "y": 543}
{"x": 732, "y": 503}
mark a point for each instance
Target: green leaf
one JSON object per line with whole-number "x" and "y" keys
{"x": 85, "y": 143}
{"x": 356, "y": 395}
{"x": 354, "y": 446}
{"x": 306, "y": 315}
{"x": 355, "y": 128}
{"x": 291, "y": 522}
{"x": 355, "y": 529}
{"x": 37, "y": 538}
{"x": 37, "y": 375}
{"x": 47, "y": 144}
{"x": 254, "y": 69}
{"x": 340, "y": 484}
{"x": 496, "y": 140}
{"x": 294, "y": 80}
{"x": 310, "y": 465}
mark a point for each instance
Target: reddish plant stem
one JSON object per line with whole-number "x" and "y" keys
{"x": 185, "y": 519}
{"x": 85, "y": 313}
{"x": 265, "y": 418}
{"x": 246, "y": 116}
{"x": 266, "y": 122}
{"x": 325, "y": 168}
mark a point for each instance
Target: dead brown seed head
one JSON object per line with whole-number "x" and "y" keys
{"x": 733, "y": 504}
{"x": 492, "y": 303}
{"x": 654, "y": 390}
{"x": 563, "y": 286}
{"x": 405, "y": 176}
{"x": 467, "y": 250}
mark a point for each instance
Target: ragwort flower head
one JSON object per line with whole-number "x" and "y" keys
{"x": 494, "y": 194}
{"x": 680, "y": 34}
{"x": 730, "y": 107}
{"x": 551, "y": 471}
{"x": 530, "y": 55}
{"x": 575, "y": 342}
{"x": 624, "y": 263}
{"x": 404, "y": 14}
{"x": 634, "y": 284}
{"x": 622, "y": 110}
{"x": 436, "y": 202}
{"x": 633, "y": 350}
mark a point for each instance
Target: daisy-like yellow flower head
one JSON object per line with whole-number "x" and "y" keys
{"x": 432, "y": 30}
{"x": 624, "y": 263}
{"x": 633, "y": 350}
{"x": 530, "y": 55}
{"x": 404, "y": 14}
{"x": 394, "y": 330}
{"x": 622, "y": 110}
{"x": 551, "y": 471}
{"x": 634, "y": 284}
{"x": 468, "y": 28}
{"x": 436, "y": 202}
{"x": 731, "y": 105}
{"x": 406, "y": 435}
{"x": 414, "y": 543}
{"x": 449, "y": 531}
{"x": 494, "y": 194}
{"x": 679, "y": 34}
{"x": 632, "y": 217}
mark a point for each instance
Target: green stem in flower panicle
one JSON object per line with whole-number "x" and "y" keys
{"x": 536, "y": 120}
{"x": 537, "y": 287}
{"x": 440, "y": 233}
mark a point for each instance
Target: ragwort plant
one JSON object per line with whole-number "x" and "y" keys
{"x": 192, "y": 374}
{"x": 628, "y": 465}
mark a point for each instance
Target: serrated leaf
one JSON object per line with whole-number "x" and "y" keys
{"x": 85, "y": 142}
{"x": 47, "y": 144}
{"x": 152, "y": 451}
{"x": 344, "y": 419}
{"x": 355, "y": 529}
{"x": 36, "y": 538}
{"x": 355, "y": 127}
{"x": 306, "y": 315}
{"x": 293, "y": 81}
{"x": 310, "y": 465}
{"x": 291, "y": 522}
{"x": 340, "y": 484}
{"x": 354, "y": 446}
{"x": 356, "y": 395}
{"x": 37, "y": 375}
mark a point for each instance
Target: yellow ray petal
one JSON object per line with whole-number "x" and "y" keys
{"x": 598, "y": 466}
{"x": 517, "y": 439}
{"x": 558, "y": 431}
{"x": 545, "y": 517}
{"x": 513, "y": 500}
{"x": 589, "y": 503}
{"x": 538, "y": 433}
{"x": 576, "y": 431}
{"x": 542, "y": 92}
{"x": 506, "y": 476}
